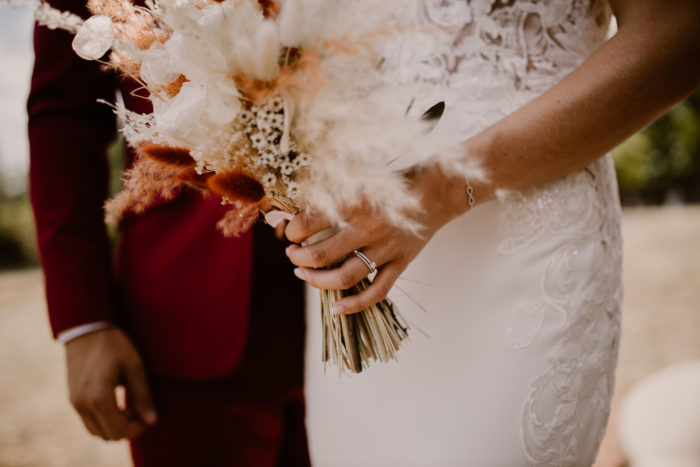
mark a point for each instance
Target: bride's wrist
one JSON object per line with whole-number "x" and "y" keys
{"x": 477, "y": 190}
{"x": 446, "y": 195}
{"x": 466, "y": 194}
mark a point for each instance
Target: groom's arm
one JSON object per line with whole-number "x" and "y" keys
{"x": 69, "y": 133}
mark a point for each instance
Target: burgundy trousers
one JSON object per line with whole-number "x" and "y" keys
{"x": 203, "y": 424}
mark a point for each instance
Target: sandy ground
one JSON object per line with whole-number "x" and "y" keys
{"x": 661, "y": 326}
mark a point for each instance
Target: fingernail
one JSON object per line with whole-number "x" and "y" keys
{"x": 300, "y": 273}
{"x": 338, "y": 309}
{"x": 150, "y": 417}
{"x": 288, "y": 250}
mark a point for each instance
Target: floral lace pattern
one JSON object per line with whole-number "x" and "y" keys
{"x": 581, "y": 287}
{"x": 532, "y": 43}
{"x": 502, "y": 53}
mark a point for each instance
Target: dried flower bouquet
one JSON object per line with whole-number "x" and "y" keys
{"x": 278, "y": 107}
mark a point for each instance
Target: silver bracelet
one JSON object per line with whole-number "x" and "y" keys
{"x": 470, "y": 195}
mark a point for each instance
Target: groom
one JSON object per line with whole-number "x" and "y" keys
{"x": 205, "y": 334}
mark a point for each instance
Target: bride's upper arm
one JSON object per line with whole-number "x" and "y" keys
{"x": 684, "y": 13}
{"x": 664, "y": 27}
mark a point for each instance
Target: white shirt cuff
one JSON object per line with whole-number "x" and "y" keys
{"x": 73, "y": 333}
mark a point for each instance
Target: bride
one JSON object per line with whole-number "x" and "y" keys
{"x": 519, "y": 272}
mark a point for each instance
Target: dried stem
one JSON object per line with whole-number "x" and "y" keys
{"x": 375, "y": 333}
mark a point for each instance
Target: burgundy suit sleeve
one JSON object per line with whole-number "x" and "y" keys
{"x": 68, "y": 136}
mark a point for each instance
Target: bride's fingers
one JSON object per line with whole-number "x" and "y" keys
{"x": 350, "y": 273}
{"x": 279, "y": 230}
{"x": 305, "y": 224}
{"x": 381, "y": 285}
{"x": 326, "y": 252}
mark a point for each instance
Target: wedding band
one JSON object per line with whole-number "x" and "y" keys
{"x": 371, "y": 265}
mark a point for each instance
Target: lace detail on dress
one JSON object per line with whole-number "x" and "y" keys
{"x": 566, "y": 205}
{"x": 487, "y": 58}
{"x": 581, "y": 287}
{"x": 531, "y": 43}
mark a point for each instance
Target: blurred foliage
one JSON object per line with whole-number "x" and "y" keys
{"x": 117, "y": 157}
{"x": 117, "y": 161}
{"x": 661, "y": 164}
{"x": 17, "y": 238}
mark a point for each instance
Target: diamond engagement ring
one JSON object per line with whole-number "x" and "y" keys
{"x": 371, "y": 265}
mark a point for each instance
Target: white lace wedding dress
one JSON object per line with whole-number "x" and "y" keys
{"x": 522, "y": 296}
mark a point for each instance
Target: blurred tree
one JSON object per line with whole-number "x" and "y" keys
{"x": 661, "y": 164}
{"x": 117, "y": 159}
{"x": 17, "y": 238}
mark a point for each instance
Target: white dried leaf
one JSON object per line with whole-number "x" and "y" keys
{"x": 94, "y": 38}
{"x": 274, "y": 218}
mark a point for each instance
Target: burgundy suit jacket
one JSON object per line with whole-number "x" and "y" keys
{"x": 196, "y": 304}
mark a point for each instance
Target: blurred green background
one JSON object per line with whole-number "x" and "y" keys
{"x": 17, "y": 244}
{"x": 661, "y": 164}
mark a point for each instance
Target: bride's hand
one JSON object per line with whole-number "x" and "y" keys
{"x": 390, "y": 247}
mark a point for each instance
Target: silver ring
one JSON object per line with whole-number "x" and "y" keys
{"x": 371, "y": 265}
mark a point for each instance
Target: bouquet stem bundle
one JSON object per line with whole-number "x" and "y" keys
{"x": 354, "y": 340}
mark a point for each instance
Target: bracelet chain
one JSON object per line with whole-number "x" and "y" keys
{"x": 470, "y": 195}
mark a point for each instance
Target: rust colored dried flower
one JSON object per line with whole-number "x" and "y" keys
{"x": 237, "y": 186}
{"x": 238, "y": 220}
{"x": 173, "y": 89}
{"x": 269, "y": 7}
{"x": 145, "y": 183}
{"x": 178, "y": 157}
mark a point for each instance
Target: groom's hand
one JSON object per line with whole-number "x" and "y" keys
{"x": 97, "y": 364}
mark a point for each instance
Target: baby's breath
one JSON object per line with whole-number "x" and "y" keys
{"x": 269, "y": 180}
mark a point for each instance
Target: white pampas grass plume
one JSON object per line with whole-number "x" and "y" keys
{"x": 267, "y": 52}
{"x": 137, "y": 128}
{"x": 304, "y": 22}
{"x": 52, "y": 18}
{"x": 245, "y": 56}
{"x": 46, "y": 15}
{"x": 291, "y": 27}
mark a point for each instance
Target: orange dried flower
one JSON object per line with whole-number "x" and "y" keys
{"x": 173, "y": 89}
{"x": 269, "y": 7}
{"x": 238, "y": 220}
{"x": 144, "y": 183}
{"x": 237, "y": 186}
{"x": 178, "y": 157}
{"x": 303, "y": 73}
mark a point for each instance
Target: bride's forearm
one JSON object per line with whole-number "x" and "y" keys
{"x": 650, "y": 64}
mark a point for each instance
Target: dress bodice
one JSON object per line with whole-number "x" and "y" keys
{"x": 486, "y": 58}
{"x": 529, "y": 43}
